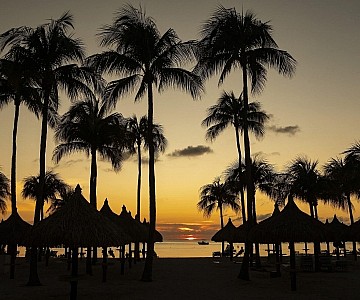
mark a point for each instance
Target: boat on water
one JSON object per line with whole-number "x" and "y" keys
{"x": 203, "y": 243}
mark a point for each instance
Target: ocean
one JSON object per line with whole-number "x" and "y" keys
{"x": 181, "y": 249}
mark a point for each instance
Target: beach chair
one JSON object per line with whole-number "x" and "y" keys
{"x": 341, "y": 265}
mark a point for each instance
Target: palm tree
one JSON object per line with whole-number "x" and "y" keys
{"x": 263, "y": 174}
{"x": 88, "y": 127}
{"x": 137, "y": 131}
{"x": 59, "y": 202}
{"x": 4, "y": 191}
{"x": 217, "y": 196}
{"x": 54, "y": 187}
{"x": 53, "y": 53}
{"x": 16, "y": 85}
{"x": 145, "y": 59}
{"x": 230, "y": 110}
{"x": 305, "y": 182}
{"x": 230, "y": 40}
{"x": 138, "y": 135}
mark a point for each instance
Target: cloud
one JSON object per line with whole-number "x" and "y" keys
{"x": 191, "y": 151}
{"x": 68, "y": 163}
{"x": 261, "y": 153}
{"x": 290, "y": 130}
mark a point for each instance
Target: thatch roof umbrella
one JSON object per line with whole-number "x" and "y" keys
{"x": 13, "y": 232}
{"x": 158, "y": 238}
{"x": 132, "y": 227}
{"x": 290, "y": 225}
{"x": 76, "y": 224}
{"x": 227, "y": 233}
{"x": 338, "y": 233}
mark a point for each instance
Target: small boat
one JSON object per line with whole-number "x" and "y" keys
{"x": 203, "y": 243}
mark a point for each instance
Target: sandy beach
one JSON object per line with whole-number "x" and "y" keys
{"x": 179, "y": 278}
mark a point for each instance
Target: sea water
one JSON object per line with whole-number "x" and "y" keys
{"x": 180, "y": 249}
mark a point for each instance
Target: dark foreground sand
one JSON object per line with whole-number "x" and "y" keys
{"x": 180, "y": 278}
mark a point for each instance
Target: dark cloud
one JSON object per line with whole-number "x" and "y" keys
{"x": 261, "y": 153}
{"x": 290, "y": 130}
{"x": 191, "y": 151}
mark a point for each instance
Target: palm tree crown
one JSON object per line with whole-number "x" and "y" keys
{"x": 88, "y": 128}
{"x": 54, "y": 186}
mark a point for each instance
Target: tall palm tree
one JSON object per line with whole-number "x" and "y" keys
{"x": 16, "y": 84}
{"x": 305, "y": 182}
{"x": 54, "y": 187}
{"x": 4, "y": 191}
{"x": 217, "y": 196}
{"x": 230, "y": 110}
{"x": 138, "y": 136}
{"x": 145, "y": 59}
{"x": 230, "y": 40}
{"x": 54, "y": 54}
{"x": 88, "y": 127}
{"x": 137, "y": 133}
{"x": 59, "y": 202}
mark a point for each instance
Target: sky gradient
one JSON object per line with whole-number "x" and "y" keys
{"x": 315, "y": 113}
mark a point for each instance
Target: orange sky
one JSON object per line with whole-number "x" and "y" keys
{"x": 320, "y": 104}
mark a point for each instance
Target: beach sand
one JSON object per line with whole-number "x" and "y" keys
{"x": 179, "y": 278}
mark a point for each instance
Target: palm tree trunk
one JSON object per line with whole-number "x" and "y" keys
{"x": 221, "y": 227}
{"x": 243, "y": 212}
{"x": 13, "y": 157}
{"x": 138, "y": 201}
{"x": 351, "y": 222}
{"x": 34, "y": 278}
{"x": 244, "y": 271}
{"x": 93, "y": 179}
{"x": 147, "y": 273}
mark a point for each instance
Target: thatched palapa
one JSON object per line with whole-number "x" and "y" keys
{"x": 225, "y": 234}
{"x": 290, "y": 225}
{"x": 76, "y": 224}
{"x": 14, "y": 230}
{"x": 132, "y": 227}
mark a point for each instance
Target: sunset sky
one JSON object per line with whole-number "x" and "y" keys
{"x": 316, "y": 113}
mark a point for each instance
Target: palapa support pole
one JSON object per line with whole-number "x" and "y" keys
{"x": 130, "y": 256}
{"x": 122, "y": 258}
{"x": 12, "y": 251}
{"x": 74, "y": 274}
{"x": 88, "y": 261}
{"x": 292, "y": 266}
{"x": 277, "y": 259}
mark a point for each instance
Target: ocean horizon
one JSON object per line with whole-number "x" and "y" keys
{"x": 183, "y": 249}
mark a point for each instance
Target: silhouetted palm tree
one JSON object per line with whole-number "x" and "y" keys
{"x": 59, "y": 202}
{"x": 4, "y": 191}
{"x": 53, "y": 53}
{"x": 138, "y": 134}
{"x": 229, "y": 110}
{"x": 54, "y": 187}
{"x": 230, "y": 40}
{"x": 305, "y": 182}
{"x": 16, "y": 84}
{"x": 263, "y": 174}
{"x": 217, "y": 196}
{"x": 145, "y": 59}
{"x": 343, "y": 183}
